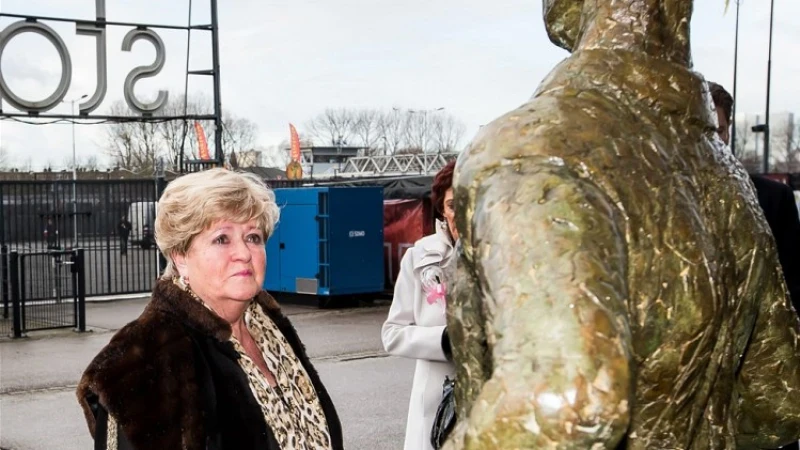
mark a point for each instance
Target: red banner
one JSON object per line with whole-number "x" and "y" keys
{"x": 295, "y": 153}
{"x": 404, "y": 223}
{"x": 202, "y": 144}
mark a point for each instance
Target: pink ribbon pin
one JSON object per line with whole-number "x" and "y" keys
{"x": 437, "y": 293}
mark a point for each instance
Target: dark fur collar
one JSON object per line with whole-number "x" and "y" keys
{"x": 146, "y": 376}
{"x": 173, "y": 301}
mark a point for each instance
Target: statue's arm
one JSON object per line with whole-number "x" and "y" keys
{"x": 768, "y": 383}
{"x": 550, "y": 255}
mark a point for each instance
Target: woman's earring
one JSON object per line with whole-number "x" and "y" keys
{"x": 184, "y": 281}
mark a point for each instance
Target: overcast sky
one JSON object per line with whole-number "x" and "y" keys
{"x": 286, "y": 60}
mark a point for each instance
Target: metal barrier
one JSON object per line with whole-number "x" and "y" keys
{"x": 38, "y": 216}
{"x": 61, "y": 215}
{"x": 43, "y": 291}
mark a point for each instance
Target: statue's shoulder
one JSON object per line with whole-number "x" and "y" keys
{"x": 536, "y": 134}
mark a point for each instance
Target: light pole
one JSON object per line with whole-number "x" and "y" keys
{"x": 769, "y": 80}
{"x": 735, "y": 74}
{"x": 74, "y": 174}
{"x": 764, "y": 127}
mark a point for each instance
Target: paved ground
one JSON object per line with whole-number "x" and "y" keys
{"x": 38, "y": 376}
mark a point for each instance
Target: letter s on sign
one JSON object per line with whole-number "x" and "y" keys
{"x": 144, "y": 71}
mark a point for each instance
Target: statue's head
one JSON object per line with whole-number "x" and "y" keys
{"x": 658, "y": 27}
{"x": 562, "y": 19}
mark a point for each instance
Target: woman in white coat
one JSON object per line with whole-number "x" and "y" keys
{"x": 417, "y": 326}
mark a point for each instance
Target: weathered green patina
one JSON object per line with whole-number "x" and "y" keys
{"x": 618, "y": 286}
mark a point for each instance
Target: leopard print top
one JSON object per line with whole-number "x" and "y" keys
{"x": 292, "y": 408}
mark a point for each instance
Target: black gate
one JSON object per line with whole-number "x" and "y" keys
{"x": 61, "y": 215}
{"x": 42, "y": 291}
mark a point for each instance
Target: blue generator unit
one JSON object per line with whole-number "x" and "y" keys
{"x": 328, "y": 242}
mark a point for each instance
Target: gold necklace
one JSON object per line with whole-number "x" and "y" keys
{"x": 178, "y": 281}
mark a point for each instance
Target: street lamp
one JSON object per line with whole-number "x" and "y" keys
{"x": 735, "y": 73}
{"x": 74, "y": 174}
{"x": 764, "y": 128}
{"x": 769, "y": 82}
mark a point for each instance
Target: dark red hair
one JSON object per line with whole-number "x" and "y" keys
{"x": 441, "y": 183}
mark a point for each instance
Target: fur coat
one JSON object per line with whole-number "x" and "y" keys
{"x": 171, "y": 380}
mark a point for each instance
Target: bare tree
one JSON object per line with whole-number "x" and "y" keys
{"x": 447, "y": 133}
{"x": 138, "y": 145}
{"x": 27, "y": 164}
{"x": 91, "y": 163}
{"x": 388, "y": 132}
{"x": 180, "y": 134}
{"x": 6, "y": 159}
{"x": 83, "y": 163}
{"x": 121, "y": 140}
{"x": 391, "y": 131}
{"x": 275, "y": 156}
{"x": 367, "y": 129}
{"x": 793, "y": 155}
{"x": 415, "y": 127}
{"x": 238, "y": 134}
{"x": 744, "y": 136}
{"x": 785, "y": 154}
{"x": 332, "y": 125}
{"x": 67, "y": 163}
{"x": 133, "y": 145}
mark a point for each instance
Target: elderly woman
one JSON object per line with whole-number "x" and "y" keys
{"x": 416, "y": 325}
{"x": 211, "y": 363}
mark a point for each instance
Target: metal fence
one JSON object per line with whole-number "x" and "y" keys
{"x": 43, "y": 290}
{"x": 41, "y": 216}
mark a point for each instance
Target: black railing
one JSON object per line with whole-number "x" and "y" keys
{"x": 38, "y": 216}
{"x": 46, "y": 290}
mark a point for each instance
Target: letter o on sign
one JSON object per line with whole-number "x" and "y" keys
{"x": 66, "y": 67}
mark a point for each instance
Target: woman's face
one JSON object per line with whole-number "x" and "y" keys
{"x": 450, "y": 214}
{"x": 225, "y": 262}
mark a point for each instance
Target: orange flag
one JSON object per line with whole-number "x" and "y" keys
{"x": 202, "y": 144}
{"x": 295, "y": 153}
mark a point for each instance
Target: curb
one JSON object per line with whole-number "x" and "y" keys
{"x": 114, "y": 298}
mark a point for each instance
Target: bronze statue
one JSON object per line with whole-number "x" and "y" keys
{"x": 618, "y": 284}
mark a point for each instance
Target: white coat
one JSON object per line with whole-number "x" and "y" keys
{"x": 414, "y": 329}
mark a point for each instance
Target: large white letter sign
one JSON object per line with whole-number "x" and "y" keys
{"x": 102, "y": 73}
{"x": 94, "y": 29}
{"x": 66, "y": 67}
{"x": 144, "y": 71}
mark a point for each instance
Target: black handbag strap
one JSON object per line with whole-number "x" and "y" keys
{"x": 100, "y": 428}
{"x": 445, "y": 418}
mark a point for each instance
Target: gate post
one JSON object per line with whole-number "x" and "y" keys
{"x": 4, "y": 283}
{"x": 79, "y": 267}
{"x": 161, "y": 184}
{"x": 16, "y": 304}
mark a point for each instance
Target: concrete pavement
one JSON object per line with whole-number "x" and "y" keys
{"x": 38, "y": 376}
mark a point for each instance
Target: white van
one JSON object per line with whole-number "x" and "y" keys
{"x": 139, "y": 215}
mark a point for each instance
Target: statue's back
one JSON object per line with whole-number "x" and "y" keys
{"x": 620, "y": 283}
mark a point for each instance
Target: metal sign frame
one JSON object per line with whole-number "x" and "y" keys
{"x": 143, "y": 112}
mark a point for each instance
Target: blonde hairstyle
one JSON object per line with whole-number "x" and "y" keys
{"x": 192, "y": 203}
